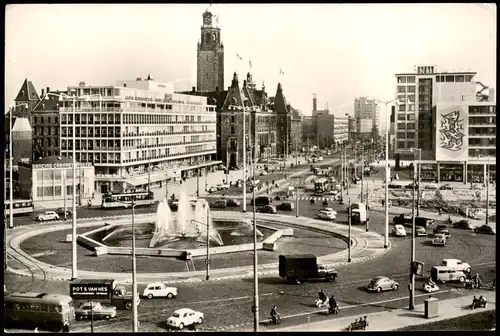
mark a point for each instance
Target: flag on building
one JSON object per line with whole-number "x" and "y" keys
{"x": 239, "y": 57}
{"x": 281, "y": 72}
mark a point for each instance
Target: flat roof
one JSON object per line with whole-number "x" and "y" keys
{"x": 437, "y": 73}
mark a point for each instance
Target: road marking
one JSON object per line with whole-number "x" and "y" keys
{"x": 366, "y": 304}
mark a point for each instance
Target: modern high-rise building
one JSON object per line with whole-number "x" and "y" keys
{"x": 132, "y": 127}
{"x": 449, "y": 120}
{"x": 367, "y": 115}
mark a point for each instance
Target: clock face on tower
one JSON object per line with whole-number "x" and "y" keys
{"x": 207, "y": 20}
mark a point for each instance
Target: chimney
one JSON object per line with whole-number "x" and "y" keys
{"x": 194, "y": 89}
{"x": 43, "y": 91}
{"x": 48, "y": 89}
{"x": 315, "y": 103}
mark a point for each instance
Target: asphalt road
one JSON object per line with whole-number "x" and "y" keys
{"x": 228, "y": 303}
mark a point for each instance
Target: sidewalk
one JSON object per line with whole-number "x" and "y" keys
{"x": 400, "y": 318}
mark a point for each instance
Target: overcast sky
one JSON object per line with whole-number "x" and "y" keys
{"x": 338, "y": 51}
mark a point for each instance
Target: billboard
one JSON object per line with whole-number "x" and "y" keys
{"x": 86, "y": 289}
{"x": 452, "y": 132}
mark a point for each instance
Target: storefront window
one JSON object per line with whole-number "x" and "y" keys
{"x": 428, "y": 172}
{"x": 451, "y": 172}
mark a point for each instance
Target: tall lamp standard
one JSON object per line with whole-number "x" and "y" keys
{"x": 255, "y": 257}
{"x": 486, "y": 180}
{"x": 11, "y": 186}
{"x": 387, "y": 174}
{"x": 412, "y": 273}
{"x": 244, "y": 156}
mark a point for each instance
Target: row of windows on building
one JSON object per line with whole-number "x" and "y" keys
{"x": 131, "y": 131}
{"x": 45, "y": 119}
{"x": 95, "y": 157}
{"x": 56, "y": 175}
{"x": 137, "y": 107}
{"x": 158, "y": 153}
{"x": 46, "y": 142}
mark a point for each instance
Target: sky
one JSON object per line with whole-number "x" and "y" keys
{"x": 337, "y": 51}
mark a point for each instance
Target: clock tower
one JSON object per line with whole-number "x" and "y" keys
{"x": 210, "y": 59}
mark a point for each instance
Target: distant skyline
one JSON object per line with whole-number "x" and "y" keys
{"x": 338, "y": 51}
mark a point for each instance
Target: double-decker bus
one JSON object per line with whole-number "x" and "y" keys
{"x": 51, "y": 310}
{"x": 321, "y": 185}
{"x": 19, "y": 207}
{"x": 124, "y": 200}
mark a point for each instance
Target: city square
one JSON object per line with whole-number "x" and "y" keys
{"x": 238, "y": 202}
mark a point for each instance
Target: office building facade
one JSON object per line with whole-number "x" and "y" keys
{"x": 449, "y": 120}
{"x": 137, "y": 132}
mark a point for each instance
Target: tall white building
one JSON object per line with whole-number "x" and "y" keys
{"x": 449, "y": 120}
{"x": 136, "y": 126}
{"x": 367, "y": 115}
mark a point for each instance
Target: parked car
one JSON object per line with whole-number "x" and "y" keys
{"x": 285, "y": 206}
{"x": 420, "y": 231}
{"x": 399, "y": 230}
{"x": 222, "y": 203}
{"x": 446, "y": 187}
{"x": 381, "y": 283}
{"x": 232, "y": 202}
{"x": 184, "y": 317}
{"x": 159, "y": 289}
{"x": 395, "y": 186}
{"x": 96, "y": 310}
{"x": 410, "y": 186}
{"x": 462, "y": 224}
{"x": 439, "y": 239}
{"x": 484, "y": 229}
{"x": 442, "y": 229}
{"x": 332, "y": 192}
{"x": 60, "y": 212}
{"x": 431, "y": 186}
{"x": 47, "y": 215}
{"x": 267, "y": 209}
{"x": 211, "y": 190}
{"x": 263, "y": 173}
{"x": 327, "y": 214}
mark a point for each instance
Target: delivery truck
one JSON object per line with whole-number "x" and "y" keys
{"x": 298, "y": 268}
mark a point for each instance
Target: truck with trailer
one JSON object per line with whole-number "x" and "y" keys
{"x": 297, "y": 268}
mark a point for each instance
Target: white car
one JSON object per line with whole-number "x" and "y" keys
{"x": 457, "y": 264}
{"x": 184, "y": 317}
{"x": 399, "y": 230}
{"x": 159, "y": 289}
{"x": 320, "y": 158}
{"x": 47, "y": 215}
{"x": 439, "y": 239}
{"x": 327, "y": 214}
{"x": 333, "y": 192}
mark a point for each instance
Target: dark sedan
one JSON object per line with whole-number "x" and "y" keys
{"x": 442, "y": 229}
{"x": 285, "y": 206}
{"x": 232, "y": 202}
{"x": 462, "y": 224}
{"x": 484, "y": 229}
{"x": 60, "y": 212}
{"x": 267, "y": 209}
{"x": 446, "y": 187}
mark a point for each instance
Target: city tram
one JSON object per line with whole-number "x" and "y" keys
{"x": 19, "y": 207}
{"x": 124, "y": 200}
{"x": 321, "y": 185}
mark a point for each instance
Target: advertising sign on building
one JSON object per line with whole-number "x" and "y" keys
{"x": 452, "y": 132}
{"x": 86, "y": 289}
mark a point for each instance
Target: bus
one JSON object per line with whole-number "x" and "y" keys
{"x": 124, "y": 200}
{"x": 52, "y": 310}
{"x": 321, "y": 185}
{"x": 19, "y": 207}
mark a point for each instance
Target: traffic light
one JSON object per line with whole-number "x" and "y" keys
{"x": 418, "y": 268}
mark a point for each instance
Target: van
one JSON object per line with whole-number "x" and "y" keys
{"x": 263, "y": 200}
{"x": 359, "y": 213}
{"x": 444, "y": 273}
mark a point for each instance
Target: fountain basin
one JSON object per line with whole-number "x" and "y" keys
{"x": 185, "y": 249}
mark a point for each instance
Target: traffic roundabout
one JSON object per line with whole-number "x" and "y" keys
{"x": 49, "y": 259}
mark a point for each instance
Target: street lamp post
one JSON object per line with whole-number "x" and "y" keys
{"x": 349, "y": 214}
{"x": 244, "y": 157}
{"x": 255, "y": 257}
{"x": 227, "y": 161}
{"x": 134, "y": 273}
{"x": 412, "y": 273}
{"x": 198, "y": 177}
{"x": 486, "y": 180}
{"x": 387, "y": 174}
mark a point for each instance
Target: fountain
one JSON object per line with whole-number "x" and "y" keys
{"x": 189, "y": 222}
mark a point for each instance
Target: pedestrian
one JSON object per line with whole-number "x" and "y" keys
{"x": 93, "y": 194}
